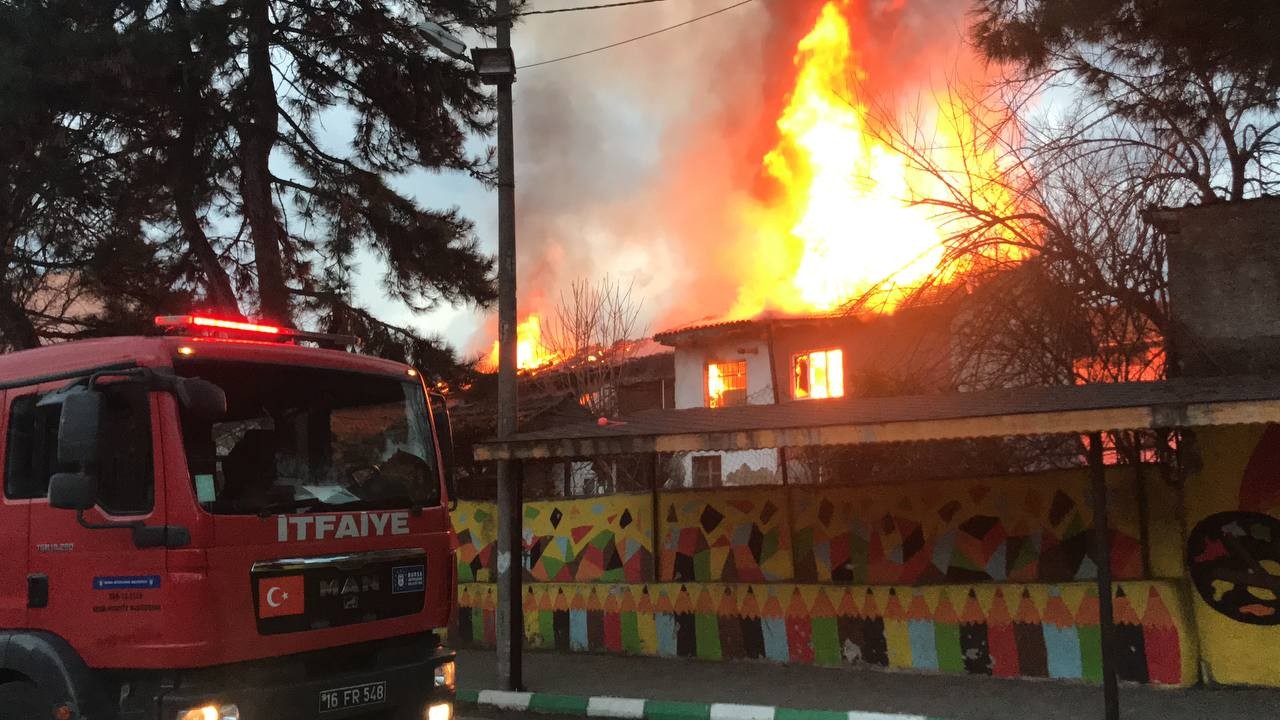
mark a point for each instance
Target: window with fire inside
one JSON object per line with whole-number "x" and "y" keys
{"x": 726, "y": 383}
{"x": 818, "y": 374}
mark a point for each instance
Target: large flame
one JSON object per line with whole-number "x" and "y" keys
{"x": 531, "y": 351}
{"x": 844, "y": 226}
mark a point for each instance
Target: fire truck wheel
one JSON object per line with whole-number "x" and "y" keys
{"x": 23, "y": 699}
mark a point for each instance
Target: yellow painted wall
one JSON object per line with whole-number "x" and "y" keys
{"x": 1231, "y": 652}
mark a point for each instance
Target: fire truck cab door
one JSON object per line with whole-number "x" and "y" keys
{"x": 15, "y": 525}
{"x": 102, "y": 587}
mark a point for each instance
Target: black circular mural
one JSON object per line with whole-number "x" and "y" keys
{"x": 1234, "y": 558}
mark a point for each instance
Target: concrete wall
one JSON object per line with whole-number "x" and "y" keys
{"x": 1233, "y": 508}
{"x": 691, "y": 370}
{"x": 985, "y": 576}
{"x": 737, "y": 468}
{"x": 1004, "y": 630}
{"x": 1224, "y": 286}
{"x": 879, "y": 353}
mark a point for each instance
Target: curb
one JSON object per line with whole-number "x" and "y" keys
{"x": 639, "y": 709}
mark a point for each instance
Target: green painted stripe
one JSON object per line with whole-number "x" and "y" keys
{"x": 826, "y": 642}
{"x": 559, "y": 704}
{"x": 1090, "y": 652}
{"x": 471, "y": 697}
{"x": 950, "y": 655}
{"x": 546, "y": 630}
{"x": 707, "y": 630}
{"x": 793, "y": 714}
{"x": 665, "y": 710}
{"x": 631, "y": 633}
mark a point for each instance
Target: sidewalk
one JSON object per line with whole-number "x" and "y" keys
{"x": 845, "y": 689}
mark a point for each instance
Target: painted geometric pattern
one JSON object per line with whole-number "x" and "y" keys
{"x": 725, "y": 536}
{"x": 1016, "y": 529}
{"x": 607, "y": 539}
{"x": 476, "y": 524}
{"x": 1042, "y": 631}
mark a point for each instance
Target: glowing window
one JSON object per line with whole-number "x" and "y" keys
{"x": 726, "y": 384}
{"x": 818, "y": 374}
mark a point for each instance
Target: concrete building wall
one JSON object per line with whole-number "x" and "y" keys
{"x": 908, "y": 352}
{"x": 1224, "y": 286}
{"x": 691, "y": 370}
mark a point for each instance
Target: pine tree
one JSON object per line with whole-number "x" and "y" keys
{"x": 215, "y": 188}
{"x": 1199, "y": 81}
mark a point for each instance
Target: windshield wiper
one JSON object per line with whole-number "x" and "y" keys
{"x": 287, "y": 506}
{"x": 388, "y": 503}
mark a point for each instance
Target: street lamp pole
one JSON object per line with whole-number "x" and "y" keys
{"x": 497, "y": 66}
{"x": 509, "y": 633}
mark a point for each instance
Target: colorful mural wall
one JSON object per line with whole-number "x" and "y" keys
{"x": 1044, "y": 631}
{"x": 1018, "y": 528}
{"x": 1233, "y": 553}
{"x": 476, "y": 524}
{"x": 729, "y": 535}
{"x": 606, "y": 539}
{"x": 986, "y": 576}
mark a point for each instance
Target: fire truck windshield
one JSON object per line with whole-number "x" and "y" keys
{"x": 306, "y": 439}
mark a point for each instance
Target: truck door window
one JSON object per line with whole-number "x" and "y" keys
{"x": 32, "y": 454}
{"x": 126, "y": 485}
{"x": 297, "y": 439}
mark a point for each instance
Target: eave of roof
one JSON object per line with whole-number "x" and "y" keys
{"x": 1183, "y": 402}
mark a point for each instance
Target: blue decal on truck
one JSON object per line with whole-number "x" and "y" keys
{"x": 408, "y": 578}
{"x": 127, "y": 582}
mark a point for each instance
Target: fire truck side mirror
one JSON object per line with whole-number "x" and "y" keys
{"x": 444, "y": 436}
{"x": 73, "y": 491}
{"x": 80, "y": 430}
{"x": 203, "y": 399}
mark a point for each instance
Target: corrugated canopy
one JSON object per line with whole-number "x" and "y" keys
{"x": 1186, "y": 402}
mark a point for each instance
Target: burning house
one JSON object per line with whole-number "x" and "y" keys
{"x": 1159, "y": 572}
{"x": 775, "y": 358}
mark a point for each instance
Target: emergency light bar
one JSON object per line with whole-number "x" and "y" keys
{"x": 237, "y": 327}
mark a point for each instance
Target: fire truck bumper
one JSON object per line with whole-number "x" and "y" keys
{"x": 403, "y": 689}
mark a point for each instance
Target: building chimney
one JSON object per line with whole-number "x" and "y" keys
{"x": 1224, "y": 286}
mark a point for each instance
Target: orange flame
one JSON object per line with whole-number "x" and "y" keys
{"x": 845, "y": 227}
{"x": 531, "y": 353}
{"x": 715, "y": 386}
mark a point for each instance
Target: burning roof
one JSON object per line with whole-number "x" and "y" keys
{"x": 782, "y": 191}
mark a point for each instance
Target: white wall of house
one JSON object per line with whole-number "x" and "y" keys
{"x": 739, "y": 467}
{"x": 691, "y": 371}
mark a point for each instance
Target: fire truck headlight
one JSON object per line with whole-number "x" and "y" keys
{"x": 440, "y": 711}
{"x": 210, "y": 712}
{"x": 446, "y": 675}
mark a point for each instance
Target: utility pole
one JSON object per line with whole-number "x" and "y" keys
{"x": 1102, "y": 557}
{"x": 510, "y": 623}
{"x": 497, "y": 66}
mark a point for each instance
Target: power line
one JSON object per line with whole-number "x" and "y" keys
{"x": 589, "y": 7}
{"x": 634, "y": 39}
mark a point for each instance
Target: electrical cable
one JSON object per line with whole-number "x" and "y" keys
{"x": 634, "y": 39}
{"x": 589, "y": 7}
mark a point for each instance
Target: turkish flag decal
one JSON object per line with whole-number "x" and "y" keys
{"x": 281, "y": 596}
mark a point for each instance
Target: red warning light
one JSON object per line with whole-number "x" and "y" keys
{"x": 169, "y": 321}
{"x": 188, "y": 323}
{"x": 200, "y": 321}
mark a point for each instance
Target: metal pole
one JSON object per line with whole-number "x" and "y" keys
{"x": 510, "y": 625}
{"x": 1102, "y": 556}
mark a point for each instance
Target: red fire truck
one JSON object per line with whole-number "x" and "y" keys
{"x": 222, "y": 523}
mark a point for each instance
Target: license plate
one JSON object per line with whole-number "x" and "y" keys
{"x": 353, "y": 696}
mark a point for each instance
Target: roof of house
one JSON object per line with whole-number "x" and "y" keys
{"x": 1184, "y": 402}
{"x": 696, "y": 332}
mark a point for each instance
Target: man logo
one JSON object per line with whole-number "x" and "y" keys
{"x": 350, "y": 586}
{"x": 281, "y": 596}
